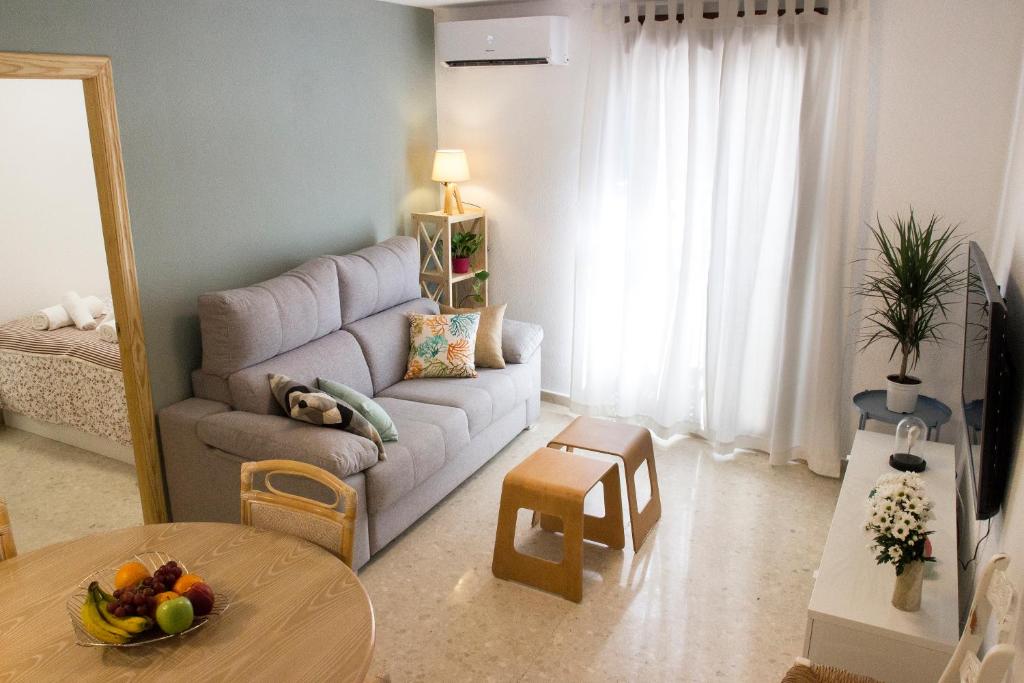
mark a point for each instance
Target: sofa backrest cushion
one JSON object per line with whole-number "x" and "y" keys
{"x": 242, "y": 327}
{"x": 384, "y": 339}
{"x": 378, "y": 277}
{"x": 335, "y": 357}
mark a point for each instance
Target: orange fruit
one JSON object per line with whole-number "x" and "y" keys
{"x": 164, "y": 597}
{"x": 130, "y": 574}
{"x": 185, "y": 582}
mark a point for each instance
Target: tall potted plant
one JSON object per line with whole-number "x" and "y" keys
{"x": 911, "y": 279}
{"x": 464, "y": 245}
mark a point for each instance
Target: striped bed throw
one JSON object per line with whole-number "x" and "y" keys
{"x": 85, "y": 345}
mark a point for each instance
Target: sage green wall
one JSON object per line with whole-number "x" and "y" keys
{"x": 256, "y": 134}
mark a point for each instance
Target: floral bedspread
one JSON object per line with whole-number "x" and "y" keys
{"x": 65, "y": 390}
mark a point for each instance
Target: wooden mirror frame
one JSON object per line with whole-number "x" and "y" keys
{"x": 105, "y": 139}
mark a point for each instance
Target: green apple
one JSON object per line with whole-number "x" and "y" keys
{"x": 174, "y": 616}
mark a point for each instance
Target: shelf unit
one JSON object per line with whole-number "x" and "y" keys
{"x": 434, "y": 232}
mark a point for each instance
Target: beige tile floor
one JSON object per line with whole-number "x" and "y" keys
{"x": 717, "y": 593}
{"x": 56, "y": 492}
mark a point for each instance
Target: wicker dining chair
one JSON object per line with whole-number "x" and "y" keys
{"x": 7, "y": 549}
{"x": 317, "y": 522}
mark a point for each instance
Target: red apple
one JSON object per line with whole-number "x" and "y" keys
{"x": 201, "y": 597}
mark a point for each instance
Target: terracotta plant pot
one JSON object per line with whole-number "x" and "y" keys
{"x": 460, "y": 264}
{"x": 906, "y": 594}
{"x": 901, "y": 397}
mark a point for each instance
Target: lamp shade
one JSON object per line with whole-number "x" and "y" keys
{"x": 450, "y": 166}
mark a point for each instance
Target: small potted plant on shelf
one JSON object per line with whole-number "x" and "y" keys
{"x": 910, "y": 284}
{"x": 898, "y": 510}
{"x": 479, "y": 278}
{"x": 464, "y": 245}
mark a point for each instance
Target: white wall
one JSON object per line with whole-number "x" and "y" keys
{"x": 941, "y": 103}
{"x": 521, "y": 127}
{"x": 1006, "y": 255}
{"x": 50, "y": 235}
{"x": 944, "y": 81}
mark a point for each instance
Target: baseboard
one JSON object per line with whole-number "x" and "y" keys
{"x": 71, "y": 436}
{"x": 555, "y": 397}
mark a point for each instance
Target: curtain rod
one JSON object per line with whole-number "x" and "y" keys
{"x": 711, "y": 8}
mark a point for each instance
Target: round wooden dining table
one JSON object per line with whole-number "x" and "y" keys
{"x": 295, "y": 611}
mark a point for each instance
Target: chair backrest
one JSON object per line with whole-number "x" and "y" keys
{"x": 317, "y": 522}
{"x": 7, "y": 549}
{"x": 997, "y": 600}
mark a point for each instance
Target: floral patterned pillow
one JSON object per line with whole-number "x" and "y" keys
{"x": 442, "y": 345}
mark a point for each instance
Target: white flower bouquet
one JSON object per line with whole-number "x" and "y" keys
{"x": 898, "y": 511}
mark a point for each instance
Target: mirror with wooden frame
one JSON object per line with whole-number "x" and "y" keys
{"x": 101, "y": 112}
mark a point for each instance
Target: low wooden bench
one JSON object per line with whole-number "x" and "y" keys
{"x": 555, "y": 486}
{"x": 634, "y": 446}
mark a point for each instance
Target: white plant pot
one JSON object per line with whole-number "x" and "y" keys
{"x": 902, "y": 398}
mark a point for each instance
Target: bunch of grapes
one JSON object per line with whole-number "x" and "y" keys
{"x": 140, "y": 600}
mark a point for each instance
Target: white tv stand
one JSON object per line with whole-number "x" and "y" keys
{"x": 850, "y": 620}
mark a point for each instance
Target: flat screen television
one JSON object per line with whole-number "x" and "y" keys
{"x": 987, "y": 388}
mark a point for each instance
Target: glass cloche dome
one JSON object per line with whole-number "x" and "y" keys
{"x": 910, "y": 437}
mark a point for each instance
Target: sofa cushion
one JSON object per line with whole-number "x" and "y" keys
{"x": 378, "y": 277}
{"x": 484, "y": 398}
{"x": 388, "y": 481}
{"x": 429, "y": 436}
{"x": 299, "y": 402}
{"x": 450, "y": 423}
{"x": 442, "y": 345}
{"x": 520, "y": 375}
{"x": 487, "y": 352}
{"x": 519, "y": 340}
{"x": 336, "y": 356}
{"x": 384, "y": 339}
{"x": 263, "y": 437}
{"x": 366, "y": 406}
{"x": 242, "y": 327}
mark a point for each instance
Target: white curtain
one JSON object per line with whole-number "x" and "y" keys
{"x": 718, "y": 187}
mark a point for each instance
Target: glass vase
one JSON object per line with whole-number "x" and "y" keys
{"x": 906, "y": 595}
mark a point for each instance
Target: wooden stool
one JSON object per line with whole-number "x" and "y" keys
{"x": 631, "y": 443}
{"x": 552, "y": 484}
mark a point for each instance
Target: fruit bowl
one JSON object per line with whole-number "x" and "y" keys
{"x": 152, "y": 561}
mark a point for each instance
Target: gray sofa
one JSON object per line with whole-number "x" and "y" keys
{"x": 343, "y": 318}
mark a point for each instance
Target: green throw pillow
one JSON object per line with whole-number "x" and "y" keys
{"x": 367, "y": 407}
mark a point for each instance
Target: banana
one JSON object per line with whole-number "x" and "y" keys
{"x": 132, "y": 625}
{"x": 97, "y": 627}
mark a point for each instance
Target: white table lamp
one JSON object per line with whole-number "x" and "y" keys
{"x": 450, "y": 168}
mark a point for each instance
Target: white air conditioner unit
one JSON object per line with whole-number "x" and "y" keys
{"x": 494, "y": 42}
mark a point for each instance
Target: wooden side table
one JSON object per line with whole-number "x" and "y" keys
{"x": 434, "y": 232}
{"x": 555, "y": 486}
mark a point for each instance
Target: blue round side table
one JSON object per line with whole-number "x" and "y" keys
{"x": 871, "y": 404}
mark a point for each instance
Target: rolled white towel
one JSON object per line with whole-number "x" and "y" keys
{"x": 78, "y": 310}
{"x": 107, "y": 329}
{"x": 55, "y": 317}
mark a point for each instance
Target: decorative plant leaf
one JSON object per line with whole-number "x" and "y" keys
{"x": 465, "y": 244}
{"x": 914, "y": 274}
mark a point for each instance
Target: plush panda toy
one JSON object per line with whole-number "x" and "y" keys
{"x": 315, "y": 407}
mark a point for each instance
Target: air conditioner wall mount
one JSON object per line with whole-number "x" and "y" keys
{"x": 504, "y": 42}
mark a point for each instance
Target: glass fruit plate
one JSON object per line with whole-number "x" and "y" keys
{"x": 152, "y": 560}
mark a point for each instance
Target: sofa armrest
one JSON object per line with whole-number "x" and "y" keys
{"x": 519, "y": 340}
{"x": 265, "y": 437}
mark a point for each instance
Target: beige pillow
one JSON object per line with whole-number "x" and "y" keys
{"x": 488, "y": 335}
